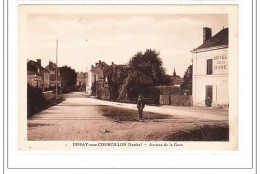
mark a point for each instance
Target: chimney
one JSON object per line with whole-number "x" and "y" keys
{"x": 96, "y": 64}
{"x": 207, "y": 34}
{"x": 39, "y": 61}
{"x": 92, "y": 66}
{"x": 113, "y": 65}
{"x": 99, "y": 61}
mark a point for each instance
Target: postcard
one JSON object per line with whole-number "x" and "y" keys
{"x": 128, "y": 77}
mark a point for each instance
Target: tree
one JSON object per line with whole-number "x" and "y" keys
{"x": 146, "y": 70}
{"x": 116, "y": 76}
{"x": 187, "y": 80}
{"x": 68, "y": 78}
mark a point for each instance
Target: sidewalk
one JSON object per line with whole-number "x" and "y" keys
{"x": 197, "y": 112}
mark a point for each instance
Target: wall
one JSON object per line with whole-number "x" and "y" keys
{"x": 46, "y": 79}
{"x": 98, "y": 71}
{"x": 89, "y": 83}
{"x": 30, "y": 79}
{"x": 48, "y": 95}
{"x": 218, "y": 79}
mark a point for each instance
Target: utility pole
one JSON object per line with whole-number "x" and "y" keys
{"x": 56, "y": 94}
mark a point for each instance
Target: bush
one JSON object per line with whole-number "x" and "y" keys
{"x": 53, "y": 89}
{"x": 35, "y": 101}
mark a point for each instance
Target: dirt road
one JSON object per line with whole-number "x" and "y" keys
{"x": 82, "y": 118}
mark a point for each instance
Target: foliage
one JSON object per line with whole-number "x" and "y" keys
{"x": 53, "y": 89}
{"x": 146, "y": 71}
{"x": 116, "y": 75}
{"x": 187, "y": 80}
{"x": 35, "y": 100}
{"x": 68, "y": 79}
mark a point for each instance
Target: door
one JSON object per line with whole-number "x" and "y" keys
{"x": 209, "y": 92}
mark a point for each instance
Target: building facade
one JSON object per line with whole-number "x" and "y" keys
{"x": 52, "y": 69}
{"x": 89, "y": 83}
{"x": 97, "y": 83}
{"x": 81, "y": 81}
{"x": 37, "y": 76}
{"x": 210, "y": 69}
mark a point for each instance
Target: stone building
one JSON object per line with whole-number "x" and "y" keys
{"x": 52, "y": 69}
{"x": 97, "y": 81}
{"x": 37, "y": 76}
{"x": 210, "y": 69}
{"x": 81, "y": 80}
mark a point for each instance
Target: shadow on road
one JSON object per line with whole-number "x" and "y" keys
{"x": 78, "y": 105}
{"x": 205, "y": 133}
{"x": 122, "y": 114}
{"x": 33, "y": 125}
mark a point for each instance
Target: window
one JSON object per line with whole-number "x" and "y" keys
{"x": 209, "y": 66}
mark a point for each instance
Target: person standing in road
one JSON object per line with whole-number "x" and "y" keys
{"x": 208, "y": 101}
{"x": 140, "y": 105}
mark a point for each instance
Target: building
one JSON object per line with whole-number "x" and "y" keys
{"x": 37, "y": 76}
{"x": 210, "y": 69}
{"x": 88, "y": 83}
{"x": 97, "y": 81}
{"x": 52, "y": 69}
{"x": 176, "y": 80}
{"x": 81, "y": 80}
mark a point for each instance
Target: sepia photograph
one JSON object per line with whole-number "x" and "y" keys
{"x": 128, "y": 76}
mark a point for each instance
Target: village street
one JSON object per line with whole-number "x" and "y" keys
{"x": 82, "y": 118}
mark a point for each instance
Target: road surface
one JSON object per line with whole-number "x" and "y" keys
{"x": 78, "y": 118}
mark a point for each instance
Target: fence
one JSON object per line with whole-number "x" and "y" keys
{"x": 176, "y": 100}
{"x": 164, "y": 99}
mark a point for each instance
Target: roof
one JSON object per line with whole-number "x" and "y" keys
{"x": 221, "y": 38}
{"x": 81, "y": 75}
{"x": 102, "y": 64}
{"x": 33, "y": 66}
{"x": 51, "y": 66}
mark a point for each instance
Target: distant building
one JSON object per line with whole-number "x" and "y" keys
{"x": 37, "y": 76}
{"x": 176, "y": 80}
{"x": 52, "y": 69}
{"x": 81, "y": 80}
{"x": 210, "y": 69}
{"x": 98, "y": 71}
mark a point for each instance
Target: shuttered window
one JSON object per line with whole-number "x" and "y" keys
{"x": 209, "y": 66}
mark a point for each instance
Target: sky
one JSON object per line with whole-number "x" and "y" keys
{"x": 117, "y": 37}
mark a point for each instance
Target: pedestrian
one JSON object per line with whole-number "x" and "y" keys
{"x": 140, "y": 105}
{"x": 208, "y": 101}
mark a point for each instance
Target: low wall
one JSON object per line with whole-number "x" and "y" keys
{"x": 48, "y": 95}
{"x": 164, "y": 100}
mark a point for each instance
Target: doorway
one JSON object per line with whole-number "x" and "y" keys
{"x": 209, "y": 92}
